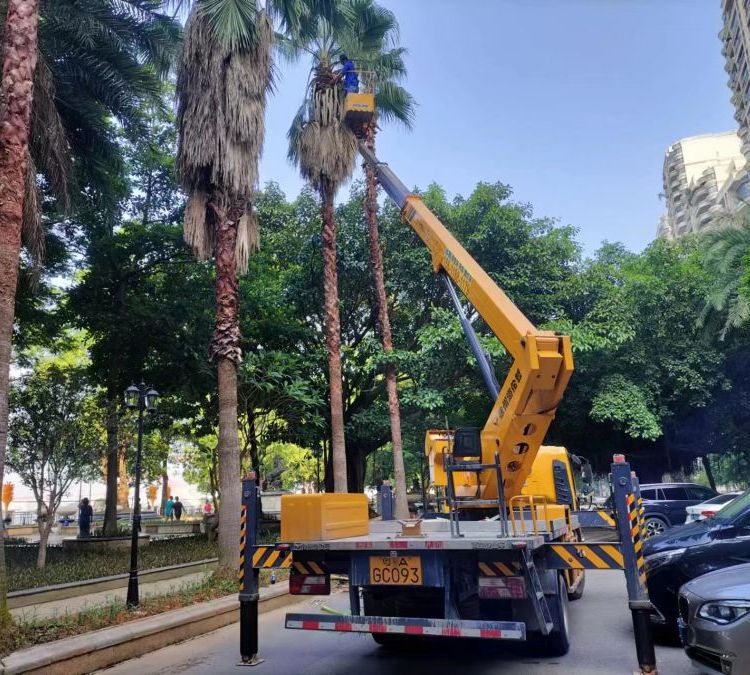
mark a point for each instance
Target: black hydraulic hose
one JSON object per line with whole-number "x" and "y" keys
{"x": 488, "y": 373}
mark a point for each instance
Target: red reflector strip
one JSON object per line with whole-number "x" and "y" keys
{"x": 491, "y": 630}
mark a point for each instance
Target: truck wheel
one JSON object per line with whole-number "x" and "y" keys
{"x": 386, "y": 640}
{"x": 397, "y": 642}
{"x": 577, "y": 594}
{"x": 557, "y": 643}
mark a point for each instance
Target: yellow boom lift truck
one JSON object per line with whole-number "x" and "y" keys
{"x": 503, "y": 555}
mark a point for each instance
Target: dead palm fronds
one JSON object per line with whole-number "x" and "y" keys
{"x": 326, "y": 147}
{"x": 222, "y": 96}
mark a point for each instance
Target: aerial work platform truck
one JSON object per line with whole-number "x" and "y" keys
{"x": 500, "y": 553}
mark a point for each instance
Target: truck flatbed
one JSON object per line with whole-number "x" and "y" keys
{"x": 436, "y": 534}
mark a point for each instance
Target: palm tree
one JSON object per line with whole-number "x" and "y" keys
{"x": 324, "y": 148}
{"x": 225, "y": 73}
{"x": 393, "y": 103}
{"x": 726, "y": 258}
{"x": 57, "y": 92}
{"x": 19, "y": 63}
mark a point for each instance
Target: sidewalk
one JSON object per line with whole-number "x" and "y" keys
{"x": 75, "y": 605}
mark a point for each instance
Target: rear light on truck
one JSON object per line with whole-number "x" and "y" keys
{"x": 308, "y": 584}
{"x": 502, "y": 588}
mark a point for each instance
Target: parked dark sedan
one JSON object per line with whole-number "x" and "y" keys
{"x": 665, "y": 504}
{"x": 688, "y": 551}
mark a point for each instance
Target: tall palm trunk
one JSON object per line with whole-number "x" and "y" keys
{"x": 384, "y": 323}
{"x": 333, "y": 336}
{"x": 16, "y": 88}
{"x": 226, "y": 349}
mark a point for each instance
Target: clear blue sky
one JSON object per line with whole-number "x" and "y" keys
{"x": 571, "y": 102}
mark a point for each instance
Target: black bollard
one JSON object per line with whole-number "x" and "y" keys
{"x": 249, "y": 594}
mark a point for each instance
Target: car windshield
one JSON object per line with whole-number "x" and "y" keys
{"x": 739, "y": 506}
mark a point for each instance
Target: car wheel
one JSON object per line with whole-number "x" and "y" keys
{"x": 654, "y": 525}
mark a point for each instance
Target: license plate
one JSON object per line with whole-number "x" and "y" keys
{"x": 401, "y": 570}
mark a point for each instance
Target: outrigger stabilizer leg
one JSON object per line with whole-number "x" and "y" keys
{"x": 249, "y": 594}
{"x": 629, "y": 525}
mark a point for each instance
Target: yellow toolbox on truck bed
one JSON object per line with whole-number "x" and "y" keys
{"x": 321, "y": 517}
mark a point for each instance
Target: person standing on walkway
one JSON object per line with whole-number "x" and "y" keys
{"x": 85, "y": 514}
{"x": 207, "y": 508}
{"x": 169, "y": 509}
{"x": 177, "y": 508}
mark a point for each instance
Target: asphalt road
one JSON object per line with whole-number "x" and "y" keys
{"x": 601, "y": 636}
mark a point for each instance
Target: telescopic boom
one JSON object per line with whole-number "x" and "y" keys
{"x": 526, "y": 403}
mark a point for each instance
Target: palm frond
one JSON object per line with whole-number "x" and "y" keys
{"x": 32, "y": 233}
{"x": 395, "y": 104}
{"x": 48, "y": 142}
{"x": 234, "y": 23}
{"x": 725, "y": 255}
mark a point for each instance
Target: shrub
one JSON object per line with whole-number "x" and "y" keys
{"x": 66, "y": 566}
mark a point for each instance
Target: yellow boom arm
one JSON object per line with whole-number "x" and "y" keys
{"x": 542, "y": 360}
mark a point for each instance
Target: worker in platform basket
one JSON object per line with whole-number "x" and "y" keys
{"x": 349, "y": 75}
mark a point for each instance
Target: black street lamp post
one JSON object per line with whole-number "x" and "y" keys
{"x": 138, "y": 398}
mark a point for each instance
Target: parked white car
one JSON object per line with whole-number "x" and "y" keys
{"x": 710, "y": 507}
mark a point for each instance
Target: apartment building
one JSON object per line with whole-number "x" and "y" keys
{"x": 702, "y": 176}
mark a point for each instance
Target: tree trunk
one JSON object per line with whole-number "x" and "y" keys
{"x": 123, "y": 487}
{"x": 384, "y": 325}
{"x": 709, "y": 471}
{"x": 113, "y": 466}
{"x": 44, "y": 530}
{"x": 333, "y": 338}
{"x": 355, "y": 468}
{"x": 164, "y": 490}
{"x": 16, "y": 90}
{"x": 225, "y": 348}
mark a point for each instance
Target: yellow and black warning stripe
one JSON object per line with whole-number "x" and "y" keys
{"x": 578, "y": 556}
{"x": 500, "y": 569}
{"x": 636, "y": 535}
{"x": 309, "y": 567}
{"x": 243, "y": 544}
{"x": 269, "y": 556}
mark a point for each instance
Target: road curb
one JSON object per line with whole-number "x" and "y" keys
{"x": 91, "y": 651}
{"x": 74, "y": 589}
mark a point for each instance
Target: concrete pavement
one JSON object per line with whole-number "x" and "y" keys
{"x": 602, "y": 642}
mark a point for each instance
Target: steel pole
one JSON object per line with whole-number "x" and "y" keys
{"x": 249, "y": 593}
{"x": 132, "y": 600}
{"x": 626, "y": 497}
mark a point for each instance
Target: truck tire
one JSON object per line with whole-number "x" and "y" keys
{"x": 557, "y": 643}
{"x": 577, "y": 594}
{"x": 386, "y": 640}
